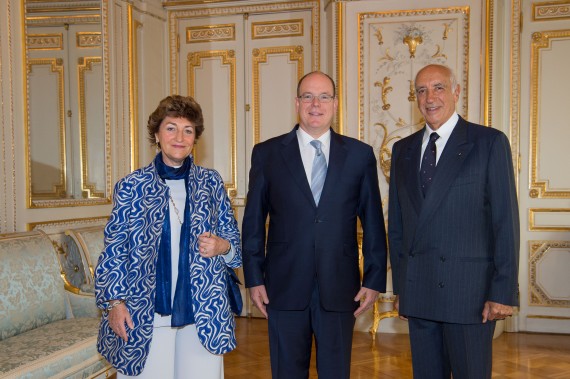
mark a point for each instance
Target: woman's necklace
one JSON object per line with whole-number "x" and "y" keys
{"x": 175, "y": 209}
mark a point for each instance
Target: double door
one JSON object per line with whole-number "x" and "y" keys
{"x": 243, "y": 69}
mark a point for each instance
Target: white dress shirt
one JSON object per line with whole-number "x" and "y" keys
{"x": 444, "y": 132}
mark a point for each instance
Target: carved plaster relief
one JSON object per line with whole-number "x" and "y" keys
{"x": 45, "y": 41}
{"x": 546, "y": 11}
{"x": 277, "y": 29}
{"x": 210, "y": 33}
{"x": 393, "y": 46}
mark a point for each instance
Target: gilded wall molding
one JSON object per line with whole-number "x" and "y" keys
{"x": 489, "y": 43}
{"x": 277, "y": 29}
{"x": 107, "y": 90}
{"x": 515, "y": 81}
{"x": 62, "y": 20}
{"x": 535, "y": 227}
{"x": 7, "y": 127}
{"x": 210, "y": 33}
{"x": 547, "y": 317}
{"x": 53, "y": 41}
{"x": 538, "y": 291}
{"x": 260, "y": 56}
{"x": 59, "y": 189}
{"x": 339, "y": 50}
{"x": 132, "y": 42}
{"x": 551, "y": 10}
{"x": 175, "y": 15}
{"x": 59, "y": 226}
{"x": 540, "y": 187}
{"x": 227, "y": 59}
{"x": 75, "y": 6}
{"x": 88, "y": 189}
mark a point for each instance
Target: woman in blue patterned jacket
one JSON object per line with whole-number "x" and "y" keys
{"x": 161, "y": 279}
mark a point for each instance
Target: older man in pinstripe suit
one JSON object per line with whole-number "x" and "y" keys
{"x": 453, "y": 233}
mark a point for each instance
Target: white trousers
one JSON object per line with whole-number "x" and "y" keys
{"x": 178, "y": 354}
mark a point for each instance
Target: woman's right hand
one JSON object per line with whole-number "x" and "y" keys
{"x": 118, "y": 317}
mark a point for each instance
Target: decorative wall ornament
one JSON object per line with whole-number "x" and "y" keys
{"x": 45, "y": 41}
{"x": 393, "y": 46}
{"x": 548, "y": 262}
{"x": 549, "y": 10}
{"x": 88, "y": 39}
{"x": 280, "y": 28}
{"x": 210, "y": 33}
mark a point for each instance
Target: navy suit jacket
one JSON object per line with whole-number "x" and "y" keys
{"x": 459, "y": 246}
{"x": 306, "y": 243}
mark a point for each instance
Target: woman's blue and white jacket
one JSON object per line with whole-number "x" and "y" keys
{"x": 127, "y": 267}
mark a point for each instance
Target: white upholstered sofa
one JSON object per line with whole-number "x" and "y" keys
{"x": 45, "y": 330}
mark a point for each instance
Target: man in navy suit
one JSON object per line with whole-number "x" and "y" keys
{"x": 304, "y": 274}
{"x": 453, "y": 229}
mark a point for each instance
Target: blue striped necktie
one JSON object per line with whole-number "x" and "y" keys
{"x": 319, "y": 172}
{"x": 427, "y": 168}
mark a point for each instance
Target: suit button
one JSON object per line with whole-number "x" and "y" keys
{"x": 441, "y": 285}
{"x": 412, "y": 255}
{"x": 442, "y": 259}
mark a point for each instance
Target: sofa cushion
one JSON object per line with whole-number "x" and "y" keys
{"x": 31, "y": 290}
{"x": 65, "y": 348}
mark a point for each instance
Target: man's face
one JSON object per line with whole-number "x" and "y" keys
{"x": 316, "y": 116}
{"x": 436, "y": 97}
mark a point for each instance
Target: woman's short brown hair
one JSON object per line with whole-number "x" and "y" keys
{"x": 176, "y": 106}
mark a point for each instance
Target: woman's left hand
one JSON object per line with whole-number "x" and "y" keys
{"x": 210, "y": 245}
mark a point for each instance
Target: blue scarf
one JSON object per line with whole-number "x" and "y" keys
{"x": 181, "y": 311}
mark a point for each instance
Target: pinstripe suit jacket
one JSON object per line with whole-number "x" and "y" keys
{"x": 457, "y": 247}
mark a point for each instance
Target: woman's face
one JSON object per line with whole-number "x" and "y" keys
{"x": 176, "y": 137}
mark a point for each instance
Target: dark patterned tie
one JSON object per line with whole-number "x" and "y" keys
{"x": 319, "y": 171}
{"x": 427, "y": 169}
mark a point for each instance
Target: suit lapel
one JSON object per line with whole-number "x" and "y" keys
{"x": 292, "y": 159}
{"x": 454, "y": 154}
{"x": 337, "y": 157}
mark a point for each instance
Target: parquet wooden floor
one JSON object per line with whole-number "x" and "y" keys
{"x": 515, "y": 355}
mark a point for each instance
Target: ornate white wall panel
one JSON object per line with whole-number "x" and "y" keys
{"x": 550, "y": 111}
{"x": 544, "y": 186}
